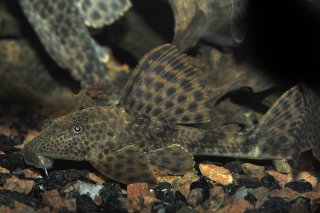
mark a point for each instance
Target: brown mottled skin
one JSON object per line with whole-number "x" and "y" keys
{"x": 124, "y": 142}
{"x": 113, "y": 128}
{"x": 62, "y": 29}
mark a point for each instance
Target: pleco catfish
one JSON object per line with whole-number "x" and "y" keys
{"x": 62, "y": 28}
{"x": 145, "y": 130}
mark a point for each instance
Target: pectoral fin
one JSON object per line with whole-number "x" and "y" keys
{"x": 127, "y": 165}
{"x": 173, "y": 160}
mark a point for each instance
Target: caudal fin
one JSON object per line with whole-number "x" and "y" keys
{"x": 277, "y": 134}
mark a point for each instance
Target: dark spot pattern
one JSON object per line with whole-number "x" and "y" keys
{"x": 169, "y": 86}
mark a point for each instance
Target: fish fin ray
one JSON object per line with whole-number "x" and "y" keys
{"x": 165, "y": 85}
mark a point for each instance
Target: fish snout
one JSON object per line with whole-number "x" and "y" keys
{"x": 34, "y": 158}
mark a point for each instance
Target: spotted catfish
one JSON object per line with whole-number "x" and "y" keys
{"x": 146, "y": 130}
{"x": 61, "y": 27}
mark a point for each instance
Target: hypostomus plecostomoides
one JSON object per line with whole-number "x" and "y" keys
{"x": 62, "y": 28}
{"x": 146, "y": 130}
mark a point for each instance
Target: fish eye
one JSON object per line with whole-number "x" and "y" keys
{"x": 77, "y": 129}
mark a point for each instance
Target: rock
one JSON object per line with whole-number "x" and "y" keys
{"x": 239, "y": 207}
{"x": 85, "y": 204}
{"x": 281, "y": 178}
{"x": 301, "y": 204}
{"x": 59, "y": 178}
{"x": 53, "y": 199}
{"x": 312, "y": 195}
{"x": 276, "y": 204}
{"x": 240, "y": 194}
{"x": 32, "y": 173}
{"x": 160, "y": 207}
{"x": 309, "y": 176}
{"x": 300, "y": 186}
{"x": 251, "y": 169}
{"x": 251, "y": 198}
{"x": 282, "y": 166}
{"x": 196, "y": 197}
{"x": 20, "y": 207}
{"x": 164, "y": 192}
{"x": 270, "y": 182}
{"x": 179, "y": 200}
{"x": 216, "y": 198}
{"x": 12, "y": 161}
{"x": 249, "y": 183}
{"x": 43, "y": 210}
{"x": 186, "y": 209}
{"x": 203, "y": 184}
{"x": 112, "y": 198}
{"x": 234, "y": 167}
{"x": 19, "y": 185}
{"x": 183, "y": 184}
{"x": 140, "y": 196}
{"x": 81, "y": 188}
{"x": 4, "y": 170}
{"x": 97, "y": 178}
{"x": 286, "y": 193}
{"x": 230, "y": 189}
{"x": 8, "y": 198}
{"x": 6, "y": 132}
{"x": 216, "y": 173}
{"x": 261, "y": 194}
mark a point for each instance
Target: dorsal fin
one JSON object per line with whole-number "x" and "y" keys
{"x": 165, "y": 85}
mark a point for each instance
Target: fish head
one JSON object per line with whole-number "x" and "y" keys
{"x": 71, "y": 137}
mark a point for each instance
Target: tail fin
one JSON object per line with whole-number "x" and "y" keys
{"x": 277, "y": 134}
{"x": 310, "y": 131}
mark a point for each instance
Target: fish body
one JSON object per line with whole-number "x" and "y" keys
{"x": 146, "y": 130}
{"x": 62, "y": 28}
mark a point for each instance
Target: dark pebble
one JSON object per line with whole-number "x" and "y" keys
{"x": 230, "y": 189}
{"x": 164, "y": 192}
{"x": 162, "y": 207}
{"x": 270, "y": 182}
{"x": 179, "y": 200}
{"x": 203, "y": 184}
{"x": 7, "y": 143}
{"x": 251, "y": 198}
{"x": 234, "y": 167}
{"x": 4, "y": 175}
{"x": 59, "y": 178}
{"x": 249, "y": 183}
{"x": 300, "y": 186}
{"x": 276, "y": 205}
{"x": 18, "y": 172}
{"x": 303, "y": 201}
{"x": 12, "y": 161}
{"x": 112, "y": 198}
{"x": 169, "y": 202}
{"x": 7, "y": 198}
{"x": 38, "y": 190}
{"x": 179, "y": 197}
{"x": 2, "y": 182}
{"x": 85, "y": 204}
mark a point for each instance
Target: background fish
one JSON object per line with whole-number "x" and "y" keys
{"x": 222, "y": 23}
{"x": 147, "y": 128}
{"x": 61, "y": 27}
